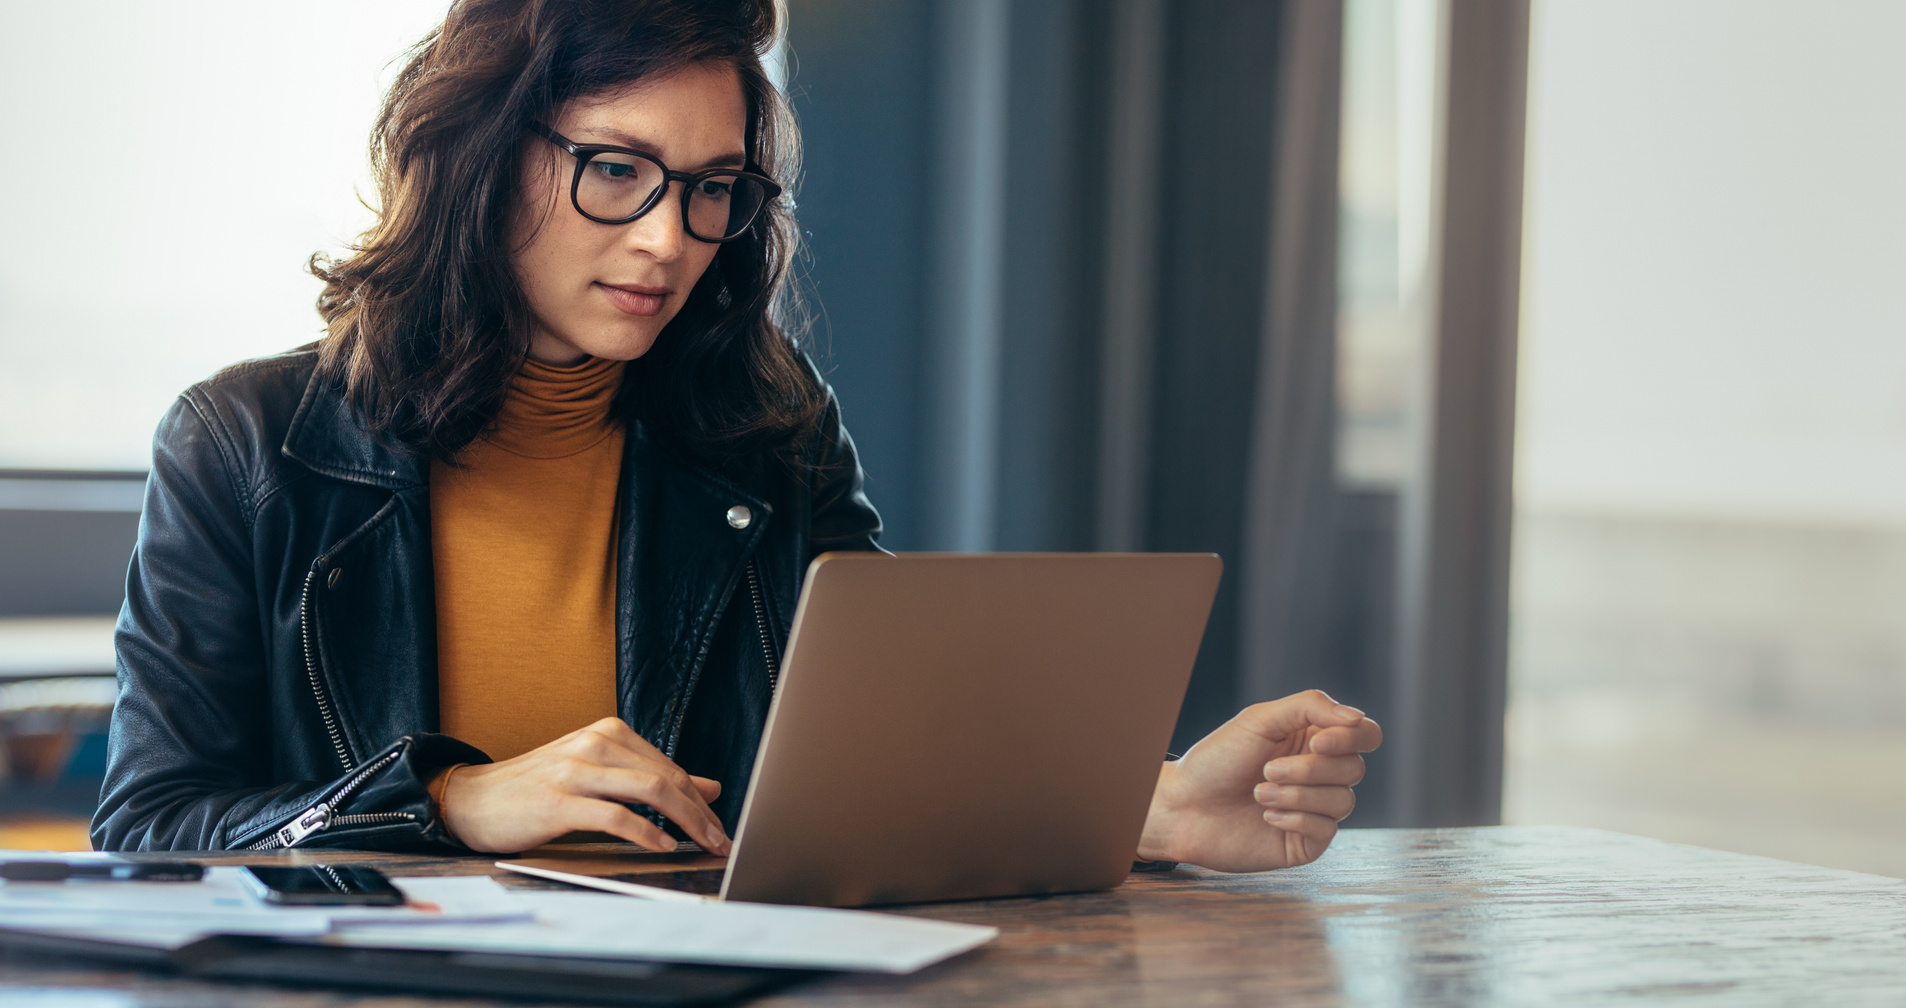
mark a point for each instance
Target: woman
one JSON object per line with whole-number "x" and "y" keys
{"x": 516, "y": 545}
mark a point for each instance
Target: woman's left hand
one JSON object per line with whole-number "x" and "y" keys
{"x": 1265, "y": 790}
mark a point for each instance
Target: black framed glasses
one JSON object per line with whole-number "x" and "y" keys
{"x": 615, "y": 185}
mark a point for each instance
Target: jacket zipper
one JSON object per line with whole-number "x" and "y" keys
{"x": 761, "y": 625}
{"x": 767, "y": 654}
{"x": 318, "y": 817}
{"x": 313, "y": 673}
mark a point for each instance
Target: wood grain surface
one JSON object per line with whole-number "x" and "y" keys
{"x": 1485, "y": 916}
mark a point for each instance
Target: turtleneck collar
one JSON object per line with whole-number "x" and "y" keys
{"x": 554, "y": 412}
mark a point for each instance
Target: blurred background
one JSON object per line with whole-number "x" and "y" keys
{"x": 1709, "y": 617}
{"x": 1537, "y": 367}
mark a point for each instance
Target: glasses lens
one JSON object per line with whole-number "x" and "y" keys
{"x": 614, "y": 186}
{"x": 722, "y": 206}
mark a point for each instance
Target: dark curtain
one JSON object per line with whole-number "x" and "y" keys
{"x": 1073, "y": 270}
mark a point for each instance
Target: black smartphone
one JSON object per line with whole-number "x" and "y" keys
{"x": 322, "y": 885}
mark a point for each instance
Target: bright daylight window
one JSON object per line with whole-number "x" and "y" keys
{"x": 1709, "y": 603}
{"x": 172, "y": 166}
{"x": 1710, "y": 591}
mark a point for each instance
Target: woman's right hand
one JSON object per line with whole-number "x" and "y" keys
{"x": 580, "y": 782}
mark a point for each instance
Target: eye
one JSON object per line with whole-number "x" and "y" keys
{"x": 714, "y": 188}
{"x": 612, "y": 169}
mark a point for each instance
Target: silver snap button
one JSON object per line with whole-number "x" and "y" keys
{"x": 739, "y": 516}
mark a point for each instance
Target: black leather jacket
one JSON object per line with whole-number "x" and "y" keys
{"x": 277, "y": 649}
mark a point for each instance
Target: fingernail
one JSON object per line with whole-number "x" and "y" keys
{"x": 1345, "y": 710}
{"x": 1277, "y": 772}
{"x": 1266, "y": 794}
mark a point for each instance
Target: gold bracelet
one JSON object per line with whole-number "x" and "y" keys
{"x": 439, "y": 793}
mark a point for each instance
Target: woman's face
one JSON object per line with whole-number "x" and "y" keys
{"x": 606, "y": 290}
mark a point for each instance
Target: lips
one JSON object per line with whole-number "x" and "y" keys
{"x": 634, "y": 299}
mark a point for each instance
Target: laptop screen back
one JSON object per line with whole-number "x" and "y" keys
{"x": 964, "y": 726}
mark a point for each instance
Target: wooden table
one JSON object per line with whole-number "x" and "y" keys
{"x": 1488, "y": 916}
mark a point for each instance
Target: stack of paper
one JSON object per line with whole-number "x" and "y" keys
{"x": 475, "y": 913}
{"x": 222, "y": 904}
{"x": 734, "y": 934}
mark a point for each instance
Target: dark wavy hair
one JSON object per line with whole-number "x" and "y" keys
{"x": 426, "y": 320}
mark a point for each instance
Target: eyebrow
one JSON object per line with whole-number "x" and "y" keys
{"x": 620, "y": 139}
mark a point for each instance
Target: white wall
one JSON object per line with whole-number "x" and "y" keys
{"x": 1716, "y": 254}
{"x": 168, "y": 168}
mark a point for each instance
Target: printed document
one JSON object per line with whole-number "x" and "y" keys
{"x": 731, "y": 934}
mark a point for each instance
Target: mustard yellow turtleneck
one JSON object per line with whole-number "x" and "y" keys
{"x": 522, "y": 536}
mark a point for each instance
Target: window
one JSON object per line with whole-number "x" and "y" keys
{"x": 1709, "y": 608}
{"x": 169, "y": 169}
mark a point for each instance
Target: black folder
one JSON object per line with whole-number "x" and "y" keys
{"x": 465, "y": 974}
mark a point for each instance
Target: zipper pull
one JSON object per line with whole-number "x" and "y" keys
{"x": 313, "y": 821}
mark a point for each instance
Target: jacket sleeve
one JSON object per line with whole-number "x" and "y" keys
{"x": 842, "y": 517}
{"x": 189, "y": 764}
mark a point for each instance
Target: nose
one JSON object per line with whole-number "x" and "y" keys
{"x": 659, "y": 232}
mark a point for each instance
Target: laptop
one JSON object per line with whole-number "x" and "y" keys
{"x": 963, "y": 726}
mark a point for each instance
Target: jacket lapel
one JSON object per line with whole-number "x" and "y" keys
{"x": 680, "y": 560}
{"x": 374, "y": 598}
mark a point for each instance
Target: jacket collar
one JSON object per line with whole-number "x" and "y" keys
{"x": 326, "y": 437}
